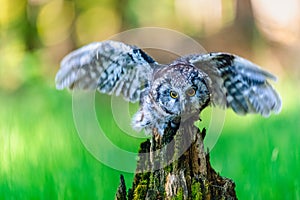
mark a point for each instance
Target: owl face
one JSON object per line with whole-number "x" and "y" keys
{"x": 180, "y": 90}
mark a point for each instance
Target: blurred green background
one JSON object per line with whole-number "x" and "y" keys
{"x": 41, "y": 155}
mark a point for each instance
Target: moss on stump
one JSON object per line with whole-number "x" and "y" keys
{"x": 176, "y": 166}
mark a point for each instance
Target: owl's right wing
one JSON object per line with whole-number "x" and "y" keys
{"x": 111, "y": 67}
{"x": 238, "y": 83}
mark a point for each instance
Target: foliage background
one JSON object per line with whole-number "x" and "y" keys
{"x": 41, "y": 156}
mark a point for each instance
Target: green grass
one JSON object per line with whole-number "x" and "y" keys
{"x": 262, "y": 158}
{"x": 42, "y": 157}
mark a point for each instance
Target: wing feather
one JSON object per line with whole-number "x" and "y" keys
{"x": 238, "y": 83}
{"x": 111, "y": 67}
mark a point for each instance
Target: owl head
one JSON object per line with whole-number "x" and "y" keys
{"x": 180, "y": 89}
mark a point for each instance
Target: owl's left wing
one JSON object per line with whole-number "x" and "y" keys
{"x": 111, "y": 67}
{"x": 238, "y": 83}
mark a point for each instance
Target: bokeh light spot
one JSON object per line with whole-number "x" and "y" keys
{"x": 10, "y": 11}
{"x": 96, "y": 24}
{"x": 54, "y": 21}
{"x": 279, "y": 20}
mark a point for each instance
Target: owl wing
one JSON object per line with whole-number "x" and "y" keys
{"x": 238, "y": 83}
{"x": 111, "y": 67}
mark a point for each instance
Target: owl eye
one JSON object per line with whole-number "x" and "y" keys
{"x": 191, "y": 92}
{"x": 174, "y": 94}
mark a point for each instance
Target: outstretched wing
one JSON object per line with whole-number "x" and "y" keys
{"x": 111, "y": 67}
{"x": 238, "y": 83}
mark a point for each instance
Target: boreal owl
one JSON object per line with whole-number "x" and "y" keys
{"x": 169, "y": 93}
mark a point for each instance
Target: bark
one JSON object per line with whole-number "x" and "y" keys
{"x": 121, "y": 192}
{"x": 176, "y": 166}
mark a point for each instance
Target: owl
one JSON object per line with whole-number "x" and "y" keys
{"x": 169, "y": 94}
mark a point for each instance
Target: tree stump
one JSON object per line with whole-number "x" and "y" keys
{"x": 176, "y": 166}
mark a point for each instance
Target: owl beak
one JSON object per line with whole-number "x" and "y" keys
{"x": 187, "y": 111}
{"x": 182, "y": 108}
{"x": 186, "y": 107}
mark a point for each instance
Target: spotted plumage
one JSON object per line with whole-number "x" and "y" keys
{"x": 169, "y": 93}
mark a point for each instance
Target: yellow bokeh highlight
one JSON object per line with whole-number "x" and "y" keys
{"x": 228, "y": 11}
{"x": 11, "y": 11}
{"x": 54, "y": 21}
{"x": 97, "y": 23}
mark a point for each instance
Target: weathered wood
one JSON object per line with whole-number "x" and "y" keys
{"x": 176, "y": 166}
